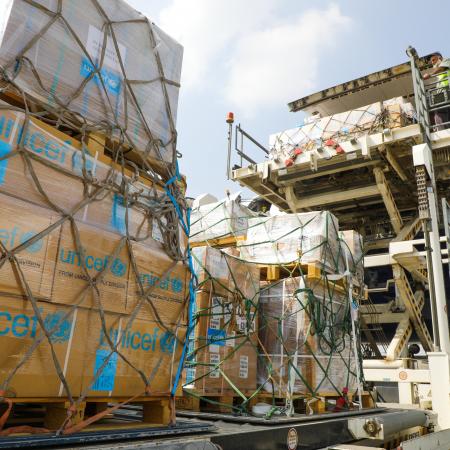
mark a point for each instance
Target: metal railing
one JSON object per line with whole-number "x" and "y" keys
{"x": 241, "y": 137}
{"x": 438, "y": 101}
{"x": 432, "y": 98}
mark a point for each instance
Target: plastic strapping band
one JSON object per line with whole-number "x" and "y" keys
{"x": 192, "y": 282}
{"x": 192, "y": 289}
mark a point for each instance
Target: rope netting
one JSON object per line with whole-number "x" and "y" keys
{"x": 324, "y": 134}
{"x": 93, "y": 246}
{"x": 277, "y": 313}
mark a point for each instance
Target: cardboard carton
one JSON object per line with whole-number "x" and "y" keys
{"x": 81, "y": 348}
{"x": 20, "y": 328}
{"x": 19, "y": 223}
{"x": 165, "y": 286}
{"x": 225, "y": 335}
{"x": 152, "y": 350}
{"x": 106, "y": 260}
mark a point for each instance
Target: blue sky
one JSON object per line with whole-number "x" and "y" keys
{"x": 252, "y": 57}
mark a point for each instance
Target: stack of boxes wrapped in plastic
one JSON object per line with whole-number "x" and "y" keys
{"x": 326, "y": 137}
{"x": 93, "y": 280}
{"x": 296, "y": 326}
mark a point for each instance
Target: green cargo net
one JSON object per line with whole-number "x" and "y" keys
{"x": 274, "y": 311}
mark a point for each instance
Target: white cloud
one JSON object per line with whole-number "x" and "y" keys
{"x": 252, "y": 54}
{"x": 280, "y": 63}
{"x": 208, "y": 27}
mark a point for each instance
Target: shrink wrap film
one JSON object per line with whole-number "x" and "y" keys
{"x": 305, "y": 343}
{"x": 227, "y": 218}
{"x": 294, "y": 238}
{"x": 212, "y": 268}
{"x": 321, "y": 135}
{"x": 353, "y": 244}
{"x": 105, "y": 62}
{"x": 225, "y": 337}
{"x": 55, "y": 176}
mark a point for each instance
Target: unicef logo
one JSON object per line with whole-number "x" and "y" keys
{"x": 167, "y": 342}
{"x": 118, "y": 268}
{"x": 35, "y": 246}
{"x": 62, "y": 331}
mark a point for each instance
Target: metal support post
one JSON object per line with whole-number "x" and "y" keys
{"x": 438, "y": 275}
{"x": 230, "y": 120}
{"x": 440, "y": 379}
{"x": 426, "y": 190}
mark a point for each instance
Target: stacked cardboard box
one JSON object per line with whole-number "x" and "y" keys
{"x": 224, "y": 345}
{"x": 294, "y": 238}
{"x": 353, "y": 250}
{"x": 57, "y": 273}
{"x": 112, "y": 66}
{"x": 324, "y": 137}
{"x": 93, "y": 282}
{"x": 303, "y": 351}
{"x": 218, "y": 220}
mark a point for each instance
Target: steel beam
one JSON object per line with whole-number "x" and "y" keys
{"x": 312, "y": 201}
{"x": 412, "y": 306}
{"x": 388, "y": 199}
{"x": 400, "y": 339}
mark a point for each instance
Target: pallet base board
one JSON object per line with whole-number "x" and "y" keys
{"x": 51, "y": 412}
{"x": 225, "y": 401}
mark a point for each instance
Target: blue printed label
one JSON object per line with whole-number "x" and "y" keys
{"x": 118, "y": 213}
{"x": 105, "y": 380}
{"x": 216, "y": 337}
{"x": 5, "y": 148}
{"x": 111, "y": 79}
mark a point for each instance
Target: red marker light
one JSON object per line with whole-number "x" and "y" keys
{"x": 230, "y": 117}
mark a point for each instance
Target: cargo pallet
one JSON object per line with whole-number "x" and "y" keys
{"x": 50, "y": 413}
{"x": 228, "y": 241}
{"x": 227, "y": 401}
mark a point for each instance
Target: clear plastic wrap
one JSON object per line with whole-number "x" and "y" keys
{"x": 294, "y": 238}
{"x": 52, "y": 177}
{"x": 224, "y": 342}
{"x": 54, "y": 60}
{"x": 305, "y": 346}
{"x": 322, "y": 135}
{"x": 227, "y": 218}
{"x": 352, "y": 243}
{"x": 297, "y": 329}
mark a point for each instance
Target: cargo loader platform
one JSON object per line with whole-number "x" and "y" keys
{"x": 212, "y": 431}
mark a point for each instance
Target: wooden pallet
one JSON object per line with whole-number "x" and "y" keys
{"x": 312, "y": 272}
{"x": 51, "y": 413}
{"x": 98, "y": 145}
{"x": 224, "y": 401}
{"x": 228, "y": 241}
{"x": 305, "y": 403}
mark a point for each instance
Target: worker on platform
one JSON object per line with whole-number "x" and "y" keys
{"x": 441, "y": 68}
